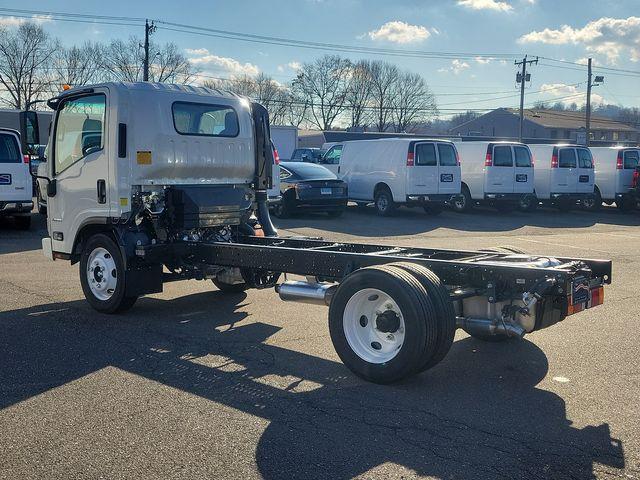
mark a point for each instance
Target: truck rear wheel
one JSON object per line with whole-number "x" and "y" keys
{"x": 382, "y": 323}
{"x": 102, "y": 275}
{"x": 445, "y": 314}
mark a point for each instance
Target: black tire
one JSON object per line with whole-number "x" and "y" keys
{"x": 335, "y": 213}
{"x": 445, "y": 313}
{"x": 23, "y": 222}
{"x": 432, "y": 209}
{"x": 463, "y": 203}
{"x": 384, "y": 202}
{"x": 118, "y": 302}
{"x": 528, "y": 203}
{"x": 418, "y": 313}
{"x": 229, "y": 287}
{"x": 285, "y": 208}
{"x": 594, "y": 203}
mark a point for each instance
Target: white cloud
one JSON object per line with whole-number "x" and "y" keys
{"x": 202, "y": 57}
{"x": 483, "y": 60}
{"x": 400, "y": 32}
{"x": 294, "y": 65}
{"x": 606, "y": 36}
{"x": 12, "y": 21}
{"x": 457, "y": 66}
{"x": 486, "y": 5}
{"x": 575, "y": 95}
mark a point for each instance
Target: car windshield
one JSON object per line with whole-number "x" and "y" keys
{"x": 309, "y": 171}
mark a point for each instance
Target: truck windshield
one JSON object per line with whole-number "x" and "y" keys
{"x": 9, "y": 152}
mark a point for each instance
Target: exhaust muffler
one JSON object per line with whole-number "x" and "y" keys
{"x": 305, "y": 292}
{"x": 485, "y": 326}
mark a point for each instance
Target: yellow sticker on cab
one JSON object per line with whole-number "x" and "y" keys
{"x": 143, "y": 157}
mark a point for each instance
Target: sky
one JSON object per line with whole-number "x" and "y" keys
{"x": 488, "y": 34}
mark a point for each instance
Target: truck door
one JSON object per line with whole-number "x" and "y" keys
{"x": 523, "y": 170}
{"x": 624, "y": 177}
{"x": 499, "y": 178}
{"x": 422, "y": 176}
{"x": 15, "y": 181}
{"x": 448, "y": 169}
{"x": 564, "y": 176}
{"x": 586, "y": 174}
{"x": 79, "y": 169}
{"x": 331, "y": 159}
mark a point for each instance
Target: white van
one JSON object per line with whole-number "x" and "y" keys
{"x": 398, "y": 171}
{"x": 15, "y": 180}
{"x": 614, "y": 167}
{"x": 499, "y": 174}
{"x": 564, "y": 175}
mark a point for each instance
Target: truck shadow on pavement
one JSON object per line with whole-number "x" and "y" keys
{"x": 476, "y": 415}
{"x": 406, "y": 221}
{"x": 13, "y": 240}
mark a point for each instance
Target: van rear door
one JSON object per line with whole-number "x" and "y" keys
{"x": 624, "y": 177}
{"x": 422, "y": 176}
{"x": 498, "y": 177}
{"x": 564, "y": 176}
{"x": 523, "y": 170}
{"x": 15, "y": 181}
{"x": 448, "y": 169}
{"x": 586, "y": 175}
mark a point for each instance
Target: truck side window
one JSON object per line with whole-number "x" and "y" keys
{"x": 502, "y": 156}
{"x": 447, "y": 155}
{"x": 79, "y": 130}
{"x": 332, "y": 157}
{"x": 426, "y": 155}
{"x": 205, "y": 119}
{"x": 567, "y": 158}
{"x": 523, "y": 156}
{"x": 631, "y": 159}
{"x": 584, "y": 158}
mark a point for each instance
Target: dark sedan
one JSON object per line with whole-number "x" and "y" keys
{"x": 310, "y": 187}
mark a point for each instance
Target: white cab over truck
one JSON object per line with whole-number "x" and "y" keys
{"x": 614, "y": 169}
{"x": 398, "y": 171}
{"x": 499, "y": 174}
{"x": 150, "y": 183}
{"x": 564, "y": 175}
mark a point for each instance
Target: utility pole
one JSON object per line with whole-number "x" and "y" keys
{"x": 591, "y": 82}
{"x": 521, "y": 78}
{"x": 148, "y": 30}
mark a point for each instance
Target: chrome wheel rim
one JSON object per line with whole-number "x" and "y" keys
{"x": 101, "y": 274}
{"x": 382, "y": 203}
{"x": 373, "y": 326}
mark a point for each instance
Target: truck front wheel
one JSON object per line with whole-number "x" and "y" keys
{"x": 102, "y": 275}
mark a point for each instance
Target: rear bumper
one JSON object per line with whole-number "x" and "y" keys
{"x": 11, "y": 208}
{"x": 420, "y": 199}
{"x": 321, "y": 204}
{"x": 506, "y": 197}
{"x": 577, "y": 197}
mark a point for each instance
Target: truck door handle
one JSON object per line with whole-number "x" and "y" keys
{"x": 102, "y": 191}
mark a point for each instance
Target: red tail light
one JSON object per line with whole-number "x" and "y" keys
{"x": 457, "y": 158}
{"x": 554, "y": 160}
{"x": 533, "y": 160}
{"x": 636, "y": 179}
{"x": 276, "y": 157}
{"x": 488, "y": 160}
{"x": 25, "y": 159}
{"x": 410, "y": 159}
{"x": 620, "y": 161}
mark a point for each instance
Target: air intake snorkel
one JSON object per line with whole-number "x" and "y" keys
{"x": 264, "y": 162}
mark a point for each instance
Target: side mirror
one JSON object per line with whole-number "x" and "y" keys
{"x": 29, "y": 130}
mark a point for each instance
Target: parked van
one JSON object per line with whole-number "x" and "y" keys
{"x": 15, "y": 180}
{"x": 564, "y": 175}
{"x": 399, "y": 171}
{"x": 614, "y": 168}
{"x": 499, "y": 174}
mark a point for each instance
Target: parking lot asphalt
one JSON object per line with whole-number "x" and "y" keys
{"x": 192, "y": 383}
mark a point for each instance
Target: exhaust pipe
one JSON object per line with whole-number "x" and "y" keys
{"x": 304, "y": 292}
{"x": 485, "y": 326}
{"x": 262, "y": 201}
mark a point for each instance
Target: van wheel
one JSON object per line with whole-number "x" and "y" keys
{"x": 102, "y": 275}
{"x": 382, "y": 323}
{"x": 384, "y": 202}
{"x": 528, "y": 203}
{"x": 23, "y": 222}
{"x": 463, "y": 202}
{"x": 433, "y": 209}
{"x": 284, "y": 209}
{"x": 593, "y": 203}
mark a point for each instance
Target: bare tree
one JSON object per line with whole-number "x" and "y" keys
{"x": 324, "y": 84}
{"x": 76, "y": 66}
{"x": 384, "y": 77}
{"x": 25, "y": 54}
{"x": 358, "y": 93}
{"x": 123, "y": 60}
{"x": 412, "y": 102}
